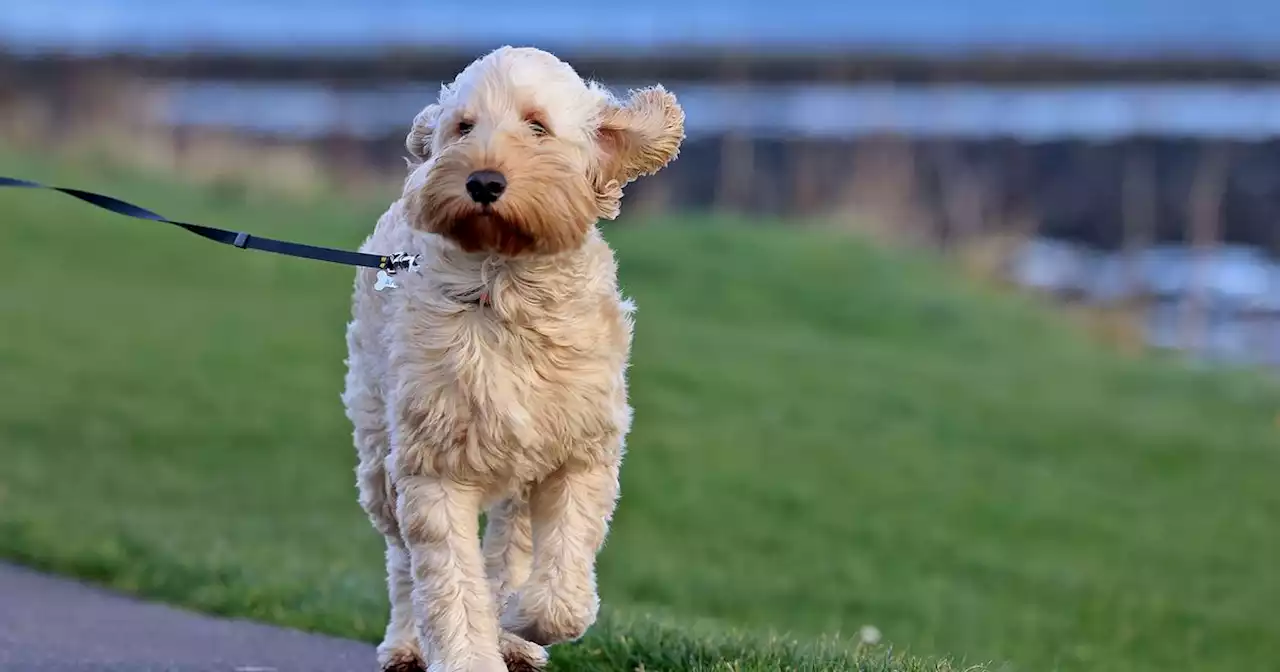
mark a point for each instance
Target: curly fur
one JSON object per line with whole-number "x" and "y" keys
{"x": 514, "y": 405}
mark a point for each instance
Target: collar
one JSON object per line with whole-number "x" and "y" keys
{"x": 478, "y": 297}
{"x": 480, "y": 294}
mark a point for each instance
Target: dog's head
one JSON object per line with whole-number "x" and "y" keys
{"x": 521, "y": 155}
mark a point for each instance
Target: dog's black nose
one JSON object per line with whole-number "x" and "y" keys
{"x": 485, "y": 186}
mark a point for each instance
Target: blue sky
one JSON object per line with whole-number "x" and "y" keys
{"x": 1240, "y": 27}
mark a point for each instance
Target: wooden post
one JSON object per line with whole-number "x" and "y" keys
{"x": 806, "y": 176}
{"x": 1138, "y": 217}
{"x": 963, "y": 200}
{"x": 1204, "y": 222}
{"x": 737, "y": 150}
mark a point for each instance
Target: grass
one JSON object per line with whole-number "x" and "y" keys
{"x": 826, "y": 436}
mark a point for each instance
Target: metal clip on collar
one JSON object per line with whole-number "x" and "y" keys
{"x": 392, "y": 265}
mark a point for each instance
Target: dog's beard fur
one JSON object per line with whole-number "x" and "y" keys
{"x": 548, "y": 206}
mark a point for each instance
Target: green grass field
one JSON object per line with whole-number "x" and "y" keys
{"x": 827, "y": 436}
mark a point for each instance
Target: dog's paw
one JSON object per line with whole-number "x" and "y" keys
{"x": 548, "y": 627}
{"x": 548, "y": 634}
{"x": 400, "y": 659}
{"x": 521, "y": 655}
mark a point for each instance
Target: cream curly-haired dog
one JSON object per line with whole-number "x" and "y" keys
{"x": 495, "y": 380}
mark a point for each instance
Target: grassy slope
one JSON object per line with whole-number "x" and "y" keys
{"x": 826, "y": 436}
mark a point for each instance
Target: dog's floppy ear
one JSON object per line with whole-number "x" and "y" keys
{"x": 418, "y": 141}
{"x": 641, "y": 136}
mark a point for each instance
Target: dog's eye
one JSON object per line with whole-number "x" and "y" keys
{"x": 538, "y": 128}
{"x": 464, "y": 127}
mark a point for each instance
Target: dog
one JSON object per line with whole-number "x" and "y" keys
{"x": 494, "y": 381}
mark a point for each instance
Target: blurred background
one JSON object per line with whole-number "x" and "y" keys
{"x": 957, "y": 332}
{"x": 1112, "y": 153}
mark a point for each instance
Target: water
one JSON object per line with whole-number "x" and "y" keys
{"x": 1029, "y": 113}
{"x": 1244, "y": 28}
{"x": 1241, "y": 288}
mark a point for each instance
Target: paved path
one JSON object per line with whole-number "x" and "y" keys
{"x": 55, "y": 625}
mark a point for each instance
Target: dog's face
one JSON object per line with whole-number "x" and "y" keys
{"x": 521, "y": 155}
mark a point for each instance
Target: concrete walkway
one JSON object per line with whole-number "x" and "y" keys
{"x": 55, "y": 625}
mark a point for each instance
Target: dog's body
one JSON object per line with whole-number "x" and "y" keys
{"x": 495, "y": 380}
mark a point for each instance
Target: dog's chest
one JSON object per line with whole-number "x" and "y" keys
{"x": 496, "y": 395}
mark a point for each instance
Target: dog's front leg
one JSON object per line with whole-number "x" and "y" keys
{"x": 508, "y": 557}
{"x": 455, "y": 613}
{"x": 571, "y": 510}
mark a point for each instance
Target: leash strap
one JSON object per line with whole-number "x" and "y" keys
{"x": 390, "y": 264}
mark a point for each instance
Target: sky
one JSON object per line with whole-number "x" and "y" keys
{"x": 1236, "y": 27}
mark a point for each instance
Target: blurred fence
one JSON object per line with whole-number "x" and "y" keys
{"x": 1121, "y": 184}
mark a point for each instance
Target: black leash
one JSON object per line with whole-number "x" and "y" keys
{"x": 387, "y": 265}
